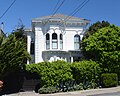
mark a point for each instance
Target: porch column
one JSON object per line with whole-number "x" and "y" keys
{"x": 58, "y": 41}
{"x": 50, "y": 41}
{"x": 71, "y": 59}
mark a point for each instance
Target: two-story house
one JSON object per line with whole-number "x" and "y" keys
{"x": 55, "y": 37}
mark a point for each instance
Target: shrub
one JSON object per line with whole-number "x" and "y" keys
{"x": 51, "y": 73}
{"x": 109, "y": 80}
{"x": 86, "y": 72}
{"x": 48, "y": 90}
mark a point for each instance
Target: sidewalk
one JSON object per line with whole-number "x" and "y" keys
{"x": 75, "y": 93}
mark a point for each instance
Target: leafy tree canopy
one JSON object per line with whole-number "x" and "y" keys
{"x": 94, "y": 27}
{"x": 104, "y": 46}
{"x": 12, "y": 55}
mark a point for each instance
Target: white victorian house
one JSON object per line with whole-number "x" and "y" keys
{"x": 55, "y": 37}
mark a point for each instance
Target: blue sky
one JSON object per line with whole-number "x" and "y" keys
{"x": 95, "y": 10}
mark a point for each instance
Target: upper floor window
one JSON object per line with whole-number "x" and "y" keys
{"x": 76, "y": 42}
{"x": 47, "y": 41}
{"x": 32, "y": 48}
{"x": 61, "y": 41}
{"x": 54, "y": 41}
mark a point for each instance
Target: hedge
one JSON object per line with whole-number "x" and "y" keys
{"x": 86, "y": 72}
{"x": 51, "y": 73}
{"x": 109, "y": 80}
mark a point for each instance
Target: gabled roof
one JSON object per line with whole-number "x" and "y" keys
{"x": 59, "y": 17}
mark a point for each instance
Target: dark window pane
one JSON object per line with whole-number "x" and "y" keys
{"x": 61, "y": 37}
{"x": 54, "y": 36}
{"x": 47, "y": 36}
{"x": 76, "y": 42}
{"x": 32, "y": 48}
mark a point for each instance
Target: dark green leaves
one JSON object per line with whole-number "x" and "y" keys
{"x": 12, "y": 55}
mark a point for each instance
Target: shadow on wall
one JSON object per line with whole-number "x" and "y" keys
{"x": 54, "y": 56}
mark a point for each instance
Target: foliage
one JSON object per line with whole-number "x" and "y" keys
{"x": 104, "y": 47}
{"x": 86, "y": 72}
{"x": 91, "y": 30}
{"x": 48, "y": 90}
{"x": 12, "y": 55}
{"x": 69, "y": 86}
{"x": 109, "y": 80}
{"x": 65, "y": 88}
{"x": 95, "y": 27}
{"x": 20, "y": 34}
{"x": 52, "y": 73}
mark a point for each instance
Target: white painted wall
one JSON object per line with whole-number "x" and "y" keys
{"x": 39, "y": 36}
{"x": 39, "y": 44}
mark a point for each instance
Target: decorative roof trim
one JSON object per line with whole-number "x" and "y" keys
{"x": 60, "y": 18}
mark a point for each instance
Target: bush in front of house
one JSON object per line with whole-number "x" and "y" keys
{"x": 66, "y": 76}
{"x": 86, "y": 72}
{"x": 51, "y": 73}
{"x": 48, "y": 90}
{"x": 109, "y": 80}
{"x": 60, "y": 88}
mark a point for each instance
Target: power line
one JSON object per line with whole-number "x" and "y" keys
{"x": 8, "y": 9}
{"x": 59, "y": 6}
{"x": 56, "y": 5}
{"x": 80, "y": 7}
{"x": 55, "y": 11}
{"x": 77, "y": 9}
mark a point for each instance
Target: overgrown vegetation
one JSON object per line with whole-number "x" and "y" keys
{"x": 65, "y": 76}
{"x": 109, "y": 80}
{"x": 86, "y": 72}
{"x": 12, "y": 55}
{"x": 52, "y": 73}
{"x": 104, "y": 47}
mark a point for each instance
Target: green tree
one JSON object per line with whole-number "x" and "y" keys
{"x": 12, "y": 55}
{"x": 91, "y": 30}
{"x": 104, "y": 46}
{"x": 19, "y": 32}
{"x": 94, "y": 27}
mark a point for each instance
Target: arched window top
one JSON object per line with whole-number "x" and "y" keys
{"x": 76, "y": 35}
{"x": 61, "y": 37}
{"x": 76, "y": 38}
{"x": 54, "y": 36}
{"x": 47, "y": 36}
{"x": 77, "y": 42}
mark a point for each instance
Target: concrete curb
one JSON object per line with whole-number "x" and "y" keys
{"x": 90, "y": 92}
{"x": 101, "y": 91}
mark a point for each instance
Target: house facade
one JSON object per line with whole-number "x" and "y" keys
{"x": 55, "y": 37}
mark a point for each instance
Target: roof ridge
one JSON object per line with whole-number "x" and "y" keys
{"x": 60, "y": 16}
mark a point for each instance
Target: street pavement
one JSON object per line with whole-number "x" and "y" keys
{"x": 114, "y": 91}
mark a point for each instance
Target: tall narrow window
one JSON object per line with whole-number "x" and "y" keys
{"x": 47, "y": 41}
{"x": 76, "y": 42}
{"x": 61, "y": 41}
{"x": 54, "y": 41}
{"x": 32, "y": 48}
